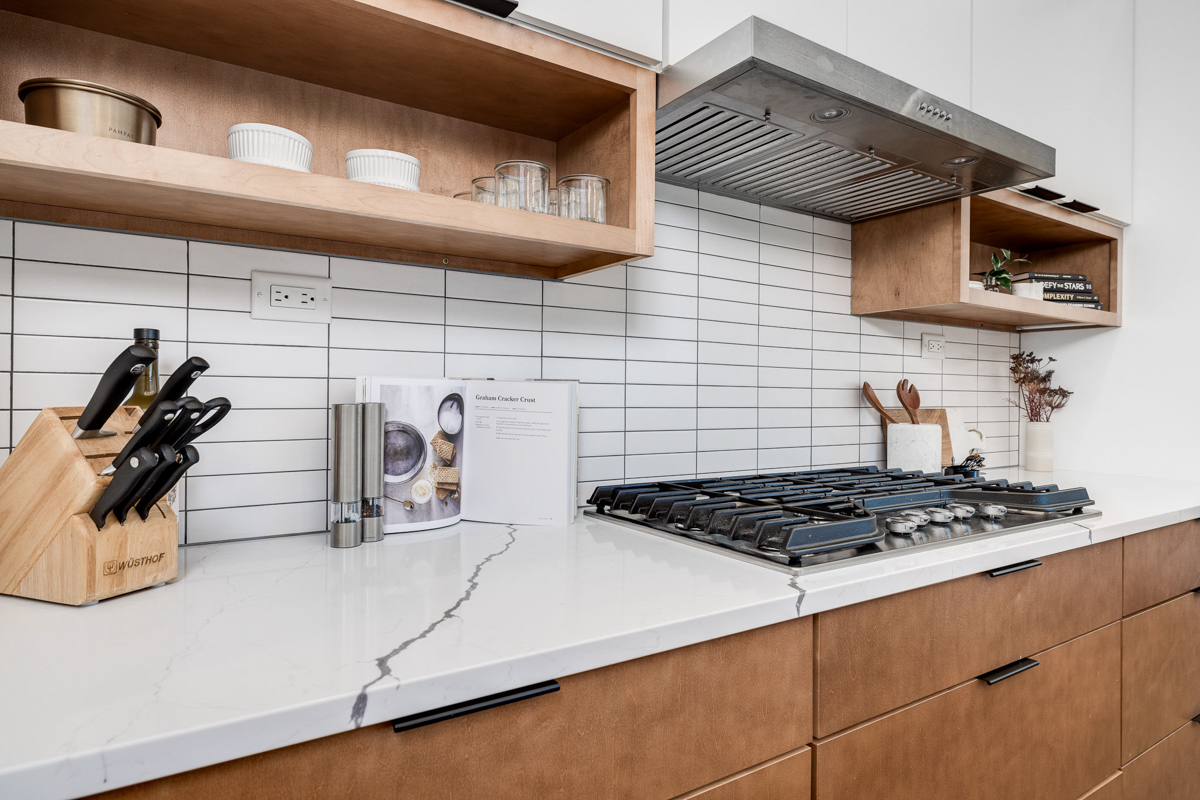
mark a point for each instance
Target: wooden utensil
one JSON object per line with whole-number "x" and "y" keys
{"x": 909, "y": 398}
{"x": 869, "y": 393}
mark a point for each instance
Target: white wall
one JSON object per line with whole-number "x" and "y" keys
{"x": 731, "y": 350}
{"x": 1138, "y": 387}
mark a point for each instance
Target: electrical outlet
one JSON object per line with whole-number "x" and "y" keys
{"x": 933, "y": 346}
{"x": 294, "y": 298}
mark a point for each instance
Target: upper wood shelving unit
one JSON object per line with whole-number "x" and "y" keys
{"x": 459, "y": 90}
{"x": 916, "y": 265}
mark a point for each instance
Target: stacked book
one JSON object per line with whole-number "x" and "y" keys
{"x": 1067, "y": 290}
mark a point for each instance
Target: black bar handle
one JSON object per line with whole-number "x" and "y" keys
{"x": 1007, "y": 671}
{"x": 996, "y": 573}
{"x": 1196, "y": 719}
{"x": 471, "y": 706}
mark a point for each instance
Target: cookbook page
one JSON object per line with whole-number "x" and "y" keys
{"x": 522, "y": 438}
{"x": 422, "y": 449}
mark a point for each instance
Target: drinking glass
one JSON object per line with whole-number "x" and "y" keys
{"x": 583, "y": 197}
{"x": 483, "y": 190}
{"x": 524, "y": 185}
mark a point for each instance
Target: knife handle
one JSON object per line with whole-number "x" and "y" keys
{"x": 154, "y": 425}
{"x": 180, "y": 381}
{"x": 214, "y": 411}
{"x": 166, "y": 476}
{"x": 115, "y": 385}
{"x": 164, "y": 454}
{"x": 124, "y": 481}
{"x": 190, "y": 410}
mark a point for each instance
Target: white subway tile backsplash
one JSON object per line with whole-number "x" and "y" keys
{"x": 99, "y": 284}
{"x": 381, "y": 276}
{"x": 368, "y": 334}
{"x": 730, "y": 349}
{"x": 496, "y": 288}
{"x": 97, "y": 248}
{"x": 237, "y": 261}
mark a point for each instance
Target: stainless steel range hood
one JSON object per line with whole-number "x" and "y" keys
{"x": 763, "y": 114}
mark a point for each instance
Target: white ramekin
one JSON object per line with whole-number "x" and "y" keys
{"x": 384, "y": 168}
{"x": 270, "y": 145}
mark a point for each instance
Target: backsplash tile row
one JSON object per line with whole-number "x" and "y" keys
{"x": 731, "y": 349}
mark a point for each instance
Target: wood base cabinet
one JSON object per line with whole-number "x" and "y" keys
{"x": 1161, "y": 564}
{"x": 1050, "y": 732}
{"x": 1168, "y": 771}
{"x": 652, "y": 729}
{"x": 788, "y": 777}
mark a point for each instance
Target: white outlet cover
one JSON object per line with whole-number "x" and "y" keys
{"x": 260, "y": 297}
{"x": 933, "y": 346}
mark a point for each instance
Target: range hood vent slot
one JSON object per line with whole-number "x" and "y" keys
{"x": 741, "y": 117}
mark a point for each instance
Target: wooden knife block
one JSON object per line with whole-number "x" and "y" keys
{"x": 49, "y": 547}
{"x": 926, "y": 416}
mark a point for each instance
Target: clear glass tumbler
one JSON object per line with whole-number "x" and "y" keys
{"x": 483, "y": 190}
{"x": 464, "y": 196}
{"x": 524, "y": 185}
{"x": 583, "y": 197}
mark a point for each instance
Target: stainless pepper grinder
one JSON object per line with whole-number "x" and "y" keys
{"x": 372, "y": 472}
{"x": 345, "y": 528}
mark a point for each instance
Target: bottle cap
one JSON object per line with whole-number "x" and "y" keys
{"x": 145, "y": 333}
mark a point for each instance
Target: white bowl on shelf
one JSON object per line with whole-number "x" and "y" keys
{"x": 384, "y": 168}
{"x": 270, "y": 145}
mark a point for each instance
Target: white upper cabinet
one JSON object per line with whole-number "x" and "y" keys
{"x": 1061, "y": 71}
{"x": 926, "y": 43}
{"x": 694, "y": 23}
{"x": 632, "y": 28}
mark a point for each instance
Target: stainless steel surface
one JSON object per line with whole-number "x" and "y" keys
{"x": 92, "y": 108}
{"x": 347, "y": 453}
{"x": 763, "y": 114}
{"x": 372, "y": 471}
{"x": 345, "y": 534}
{"x": 100, "y": 434}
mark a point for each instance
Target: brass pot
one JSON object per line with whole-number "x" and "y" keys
{"x": 83, "y": 107}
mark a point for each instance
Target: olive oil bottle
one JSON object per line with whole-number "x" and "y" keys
{"x": 146, "y": 388}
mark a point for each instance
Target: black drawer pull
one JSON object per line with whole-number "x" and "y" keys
{"x": 996, "y": 573}
{"x": 1007, "y": 671}
{"x": 471, "y": 706}
{"x": 1196, "y": 719}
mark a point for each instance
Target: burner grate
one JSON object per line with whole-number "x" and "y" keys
{"x": 788, "y": 518}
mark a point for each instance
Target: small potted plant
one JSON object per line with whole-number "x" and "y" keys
{"x": 998, "y": 278}
{"x": 1037, "y": 401}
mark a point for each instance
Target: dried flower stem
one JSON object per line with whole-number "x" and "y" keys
{"x": 1035, "y": 397}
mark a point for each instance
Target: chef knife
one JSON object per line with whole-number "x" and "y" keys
{"x": 190, "y": 410}
{"x": 164, "y": 454}
{"x": 214, "y": 411}
{"x": 177, "y": 385}
{"x": 147, "y": 435}
{"x": 165, "y": 476}
{"x": 124, "y": 481}
{"x": 115, "y": 385}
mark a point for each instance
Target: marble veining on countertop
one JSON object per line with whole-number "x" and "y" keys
{"x": 262, "y": 644}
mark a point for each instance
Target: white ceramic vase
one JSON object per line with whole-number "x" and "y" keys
{"x": 1037, "y": 448}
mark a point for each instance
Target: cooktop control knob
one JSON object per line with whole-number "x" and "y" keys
{"x": 992, "y": 510}
{"x": 940, "y": 515}
{"x": 919, "y": 517}
{"x": 901, "y": 526}
{"x": 960, "y": 511}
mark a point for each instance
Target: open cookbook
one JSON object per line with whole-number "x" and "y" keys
{"x": 480, "y": 450}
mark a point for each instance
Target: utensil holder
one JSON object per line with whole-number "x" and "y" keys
{"x": 49, "y": 547}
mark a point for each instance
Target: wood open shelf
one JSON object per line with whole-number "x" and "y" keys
{"x": 916, "y": 265}
{"x": 459, "y": 90}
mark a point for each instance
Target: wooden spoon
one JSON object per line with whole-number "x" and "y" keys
{"x": 869, "y": 393}
{"x": 910, "y": 398}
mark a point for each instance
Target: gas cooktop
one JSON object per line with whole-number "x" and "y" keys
{"x": 809, "y": 520}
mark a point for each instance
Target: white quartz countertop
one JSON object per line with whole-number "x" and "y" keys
{"x": 263, "y": 644}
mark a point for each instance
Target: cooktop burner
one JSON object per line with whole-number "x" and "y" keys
{"x": 810, "y": 519}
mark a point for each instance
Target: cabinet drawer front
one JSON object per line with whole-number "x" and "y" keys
{"x": 877, "y": 656}
{"x": 1168, "y": 771}
{"x": 1049, "y": 733}
{"x": 1161, "y": 564}
{"x": 1109, "y": 790}
{"x": 785, "y": 778}
{"x": 1160, "y": 673}
{"x": 652, "y": 729}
